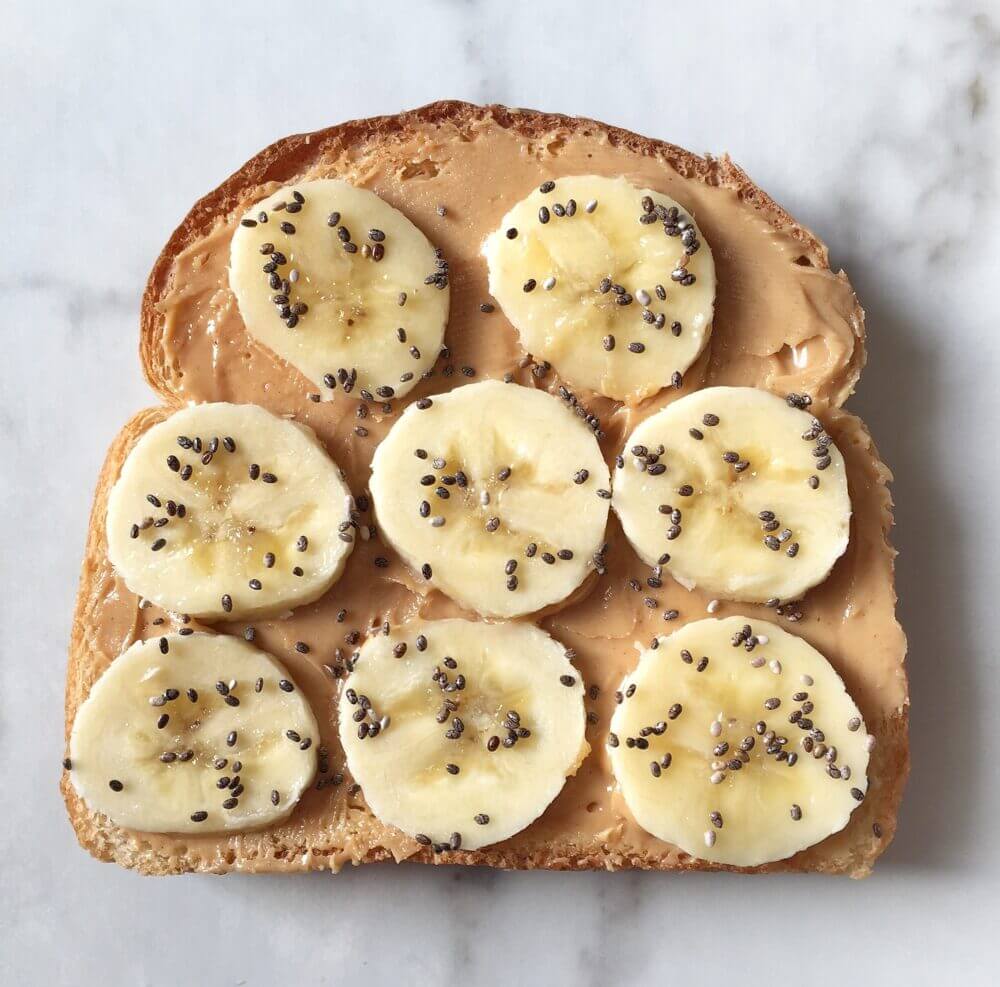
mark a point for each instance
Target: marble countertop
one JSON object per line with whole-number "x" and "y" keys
{"x": 875, "y": 124}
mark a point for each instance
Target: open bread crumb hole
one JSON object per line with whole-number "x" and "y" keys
{"x": 418, "y": 169}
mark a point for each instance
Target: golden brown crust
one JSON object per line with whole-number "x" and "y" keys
{"x": 281, "y": 163}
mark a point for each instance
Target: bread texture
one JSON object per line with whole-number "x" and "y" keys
{"x": 94, "y": 645}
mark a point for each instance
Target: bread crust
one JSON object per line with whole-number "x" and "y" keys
{"x": 281, "y": 163}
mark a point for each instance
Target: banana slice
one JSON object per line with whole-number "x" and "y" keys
{"x": 496, "y": 493}
{"x": 613, "y": 284}
{"x": 224, "y": 510}
{"x": 461, "y": 734}
{"x": 195, "y": 734}
{"x": 341, "y": 285}
{"x": 736, "y": 491}
{"x": 738, "y": 742}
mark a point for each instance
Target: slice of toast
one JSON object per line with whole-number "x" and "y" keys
{"x": 783, "y": 321}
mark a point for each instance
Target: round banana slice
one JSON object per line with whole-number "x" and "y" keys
{"x": 226, "y": 511}
{"x": 461, "y": 734}
{"x": 341, "y": 285}
{"x": 737, "y": 742}
{"x": 497, "y": 494}
{"x": 613, "y": 284}
{"x": 737, "y": 492}
{"x": 196, "y": 734}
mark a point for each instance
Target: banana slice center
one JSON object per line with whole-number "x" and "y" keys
{"x": 496, "y": 493}
{"x": 461, "y": 733}
{"x": 738, "y": 742}
{"x": 221, "y": 523}
{"x": 724, "y": 487}
{"x": 194, "y": 733}
{"x": 334, "y": 279}
{"x": 612, "y": 283}
{"x": 226, "y": 509}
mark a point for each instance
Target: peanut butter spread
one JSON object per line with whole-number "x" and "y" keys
{"x": 783, "y": 322}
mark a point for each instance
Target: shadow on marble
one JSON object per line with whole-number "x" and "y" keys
{"x": 901, "y": 398}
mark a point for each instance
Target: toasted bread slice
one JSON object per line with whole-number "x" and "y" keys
{"x": 784, "y": 321}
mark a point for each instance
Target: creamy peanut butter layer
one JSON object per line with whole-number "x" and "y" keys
{"x": 783, "y": 321}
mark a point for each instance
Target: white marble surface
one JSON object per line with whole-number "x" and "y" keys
{"x": 877, "y": 124}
